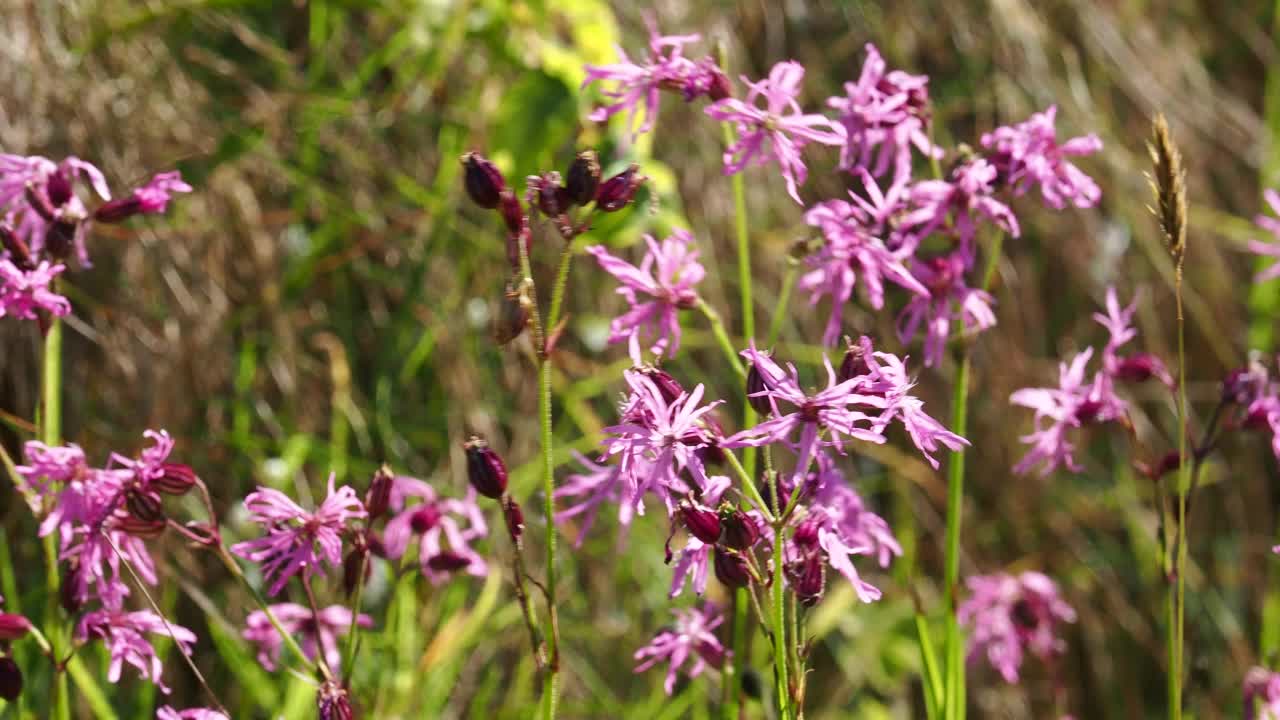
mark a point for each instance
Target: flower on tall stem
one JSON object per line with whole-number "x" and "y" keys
{"x": 150, "y": 199}
{"x": 124, "y": 634}
{"x": 295, "y": 539}
{"x": 1119, "y": 324}
{"x": 445, "y": 529}
{"x": 958, "y": 204}
{"x": 586, "y": 492}
{"x": 779, "y": 130}
{"x": 692, "y": 636}
{"x": 318, "y": 633}
{"x": 886, "y": 378}
{"x": 1029, "y": 154}
{"x": 23, "y": 292}
{"x": 37, "y": 196}
{"x": 884, "y": 115}
{"x": 667, "y": 277}
{"x": 1011, "y": 615}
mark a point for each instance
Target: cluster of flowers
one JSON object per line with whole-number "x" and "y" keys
{"x": 1010, "y": 615}
{"x": 877, "y": 234}
{"x": 43, "y": 218}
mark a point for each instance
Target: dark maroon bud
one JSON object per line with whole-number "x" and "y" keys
{"x": 512, "y": 316}
{"x": 806, "y": 535}
{"x": 703, "y": 524}
{"x": 177, "y": 479}
{"x": 352, "y": 566}
{"x": 39, "y": 202}
{"x": 448, "y": 561}
{"x": 333, "y": 703}
{"x": 144, "y": 506}
{"x": 60, "y": 239}
{"x": 737, "y": 529}
{"x": 547, "y": 194}
{"x": 668, "y": 386}
{"x": 720, "y": 87}
{"x": 10, "y": 679}
{"x": 19, "y": 253}
{"x": 731, "y": 569}
{"x": 1139, "y": 368}
{"x": 378, "y": 497}
{"x": 618, "y": 191}
{"x": 583, "y": 178}
{"x": 854, "y": 363}
{"x": 13, "y": 627}
{"x": 137, "y": 527}
{"x": 513, "y": 248}
{"x": 485, "y": 469}
{"x": 425, "y": 517}
{"x": 808, "y": 578}
{"x": 58, "y": 188}
{"x": 118, "y": 210}
{"x": 513, "y": 215}
{"x": 376, "y": 546}
{"x": 68, "y": 598}
{"x": 483, "y": 180}
{"x": 1243, "y": 385}
{"x": 755, "y": 384}
{"x": 515, "y": 519}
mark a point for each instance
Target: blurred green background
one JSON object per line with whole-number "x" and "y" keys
{"x": 323, "y": 302}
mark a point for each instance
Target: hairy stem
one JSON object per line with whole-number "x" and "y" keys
{"x": 234, "y": 568}
{"x": 778, "y": 608}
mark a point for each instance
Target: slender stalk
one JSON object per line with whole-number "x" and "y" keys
{"x": 1184, "y": 484}
{"x": 325, "y": 670}
{"x": 749, "y": 487}
{"x": 353, "y": 632}
{"x": 725, "y": 343}
{"x": 953, "y": 706}
{"x": 778, "y": 608}
{"x": 51, "y": 434}
{"x": 234, "y": 568}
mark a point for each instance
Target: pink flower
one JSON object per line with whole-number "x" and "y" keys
{"x": 671, "y": 289}
{"x": 637, "y": 85}
{"x": 1119, "y": 323}
{"x": 816, "y": 544}
{"x": 884, "y": 111}
{"x": 1029, "y": 153}
{"x": 1271, "y": 225}
{"x": 694, "y": 558}
{"x": 22, "y": 292}
{"x": 445, "y": 527}
{"x": 779, "y": 130}
{"x": 124, "y": 634}
{"x": 168, "y": 713}
{"x": 297, "y": 540}
{"x": 949, "y": 299}
{"x": 958, "y": 204}
{"x": 692, "y": 636}
{"x": 1261, "y": 695}
{"x": 1010, "y": 615}
{"x": 886, "y": 378}
{"x": 318, "y": 632}
{"x": 851, "y": 250}
{"x": 841, "y": 510}
{"x": 46, "y": 468}
{"x": 36, "y": 192}
{"x": 598, "y": 485}
{"x": 1074, "y": 403}
{"x": 150, "y": 199}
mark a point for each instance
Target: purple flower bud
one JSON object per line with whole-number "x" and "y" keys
{"x": 582, "y": 178}
{"x": 547, "y": 194}
{"x": 333, "y": 703}
{"x": 10, "y": 679}
{"x": 353, "y": 564}
{"x": 485, "y": 469}
{"x": 59, "y": 239}
{"x": 854, "y": 363}
{"x": 806, "y": 535}
{"x": 1243, "y": 385}
{"x": 737, "y": 529}
{"x": 512, "y": 316}
{"x": 137, "y": 527}
{"x": 719, "y": 87}
{"x": 378, "y": 497}
{"x": 483, "y": 180}
{"x": 13, "y": 627}
{"x": 703, "y": 524}
{"x": 1165, "y": 465}
{"x": 144, "y": 506}
{"x": 118, "y": 210}
{"x": 19, "y": 253}
{"x": 618, "y": 191}
{"x": 514, "y": 516}
{"x": 513, "y": 215}
{"x": 808, "y": 578}
{"x": 177, "y": 479}
{"x": 426, "y": 517}
{"x": 448, "y": 561}
{"x": 58, "y": 188}
{"x": 755, "y": 384}
{"x": 667, "y": 385}
{"x": 731, "y": 569}
{"x": 1140, "y": 367}
{"x": 68, "y": 598}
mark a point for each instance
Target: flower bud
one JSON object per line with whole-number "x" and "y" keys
{"x": 378, "y": 497}
{"x": 618, "y": 191}
{"x": 58, "y": 188}
{"x": 1141, "y": 367}
{"x": 144, "y": 506}
{"x": 514, "y": 516}
{"x": 137, "y": 527}
{"x": 547, "y": 194}
{"x": 332, "y": 702}
{"x": 353, "y": 565}
{"x": 177, "y": 479}
{"x": 60, "y": 238}
{"x": 512, "y": 316}
{"x": 731, "y": 569}
{"x": 755, "y": 384}
{"x": 483, "y": 180}
{"x": 513, "y": 215}
{"x": 668, "y": 386}
{"x": 10, "y": 679}
{"x": 583, "y": 178}
{"x": 68, "y": 598}
{"x": 808, "y": 578}
{"x": 806, "y": 535}
{"x": 13, "y": 627}
{"x": 448, "y": 561}
{"x": 737, "y": 529}
{"x": 118, "y": 210}
{"x": 854, "y": 363}
{"x": 719, "y": 88}
{"x": 19, "y": 253}
{"x": 702, "y": 523}
{"x": 485, "y": 469}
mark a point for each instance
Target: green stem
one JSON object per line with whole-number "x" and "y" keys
{"x": 954, "y": 701}
{"x": 349, "y": 657}
{"x": 558, "y": 290}
{"x": 51, "y": 434}
{"x": 1177, "y": 629}
{"x": 234, "y": 568}
{"x": 748, "y": 487}
{"x": 778, "y": 621}
{"x": 551, "y": 681}
{"x": 726, "y": 346}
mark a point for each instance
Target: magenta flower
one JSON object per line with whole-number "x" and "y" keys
{"x": 1010, "y": 615}
{"x": 692, "y": 636}
{"x": 295, "y": 539}
{"x": 840, "y": 510}
{"x": 637, "y": 86}
{"x": 817, "y": 543}
{"x": 46, "y": 468}
{"x": 124, "y": 634}
{"x": 884, "y": 114}
{"x": 23, "y": 292}
{"x": 1074, "y": 403}
{"x": 671, "y": 289}
{"x": 588, "y": 491}
{"x": 1261, "y": 695}
{"x": 1271, "y": 225}
{"x": 150, "y": 199}
{"x": 948, "y": 300}
{"x": 317, "y": 633}
{"x": 851, "y": 250}
{"x": 445, "y": 528}
{"x": 1119, "y": 323}
{"x": 1029, "y": 154}
{"x": 886, "y": 378}
{"x": 958, "y": 204}
{"x": 50, "y": 199}
{"x": 779, "y": 130}
{"x": 167, "y": 713}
